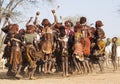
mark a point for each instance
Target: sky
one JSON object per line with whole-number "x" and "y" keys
{"x": 93, "y": 10}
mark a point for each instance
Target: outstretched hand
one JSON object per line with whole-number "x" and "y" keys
{"x": 31, "y": 18}
{"x": 7, "y": 18}
{"x": 37, "y": 13}
{"x": 53, "y": 11}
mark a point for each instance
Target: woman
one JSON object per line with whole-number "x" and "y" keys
{"x": 114, "y": 53}
{"x": 63, "y": 42}
{"x": 47, "y": 33}
{"x": 77, "y": 47}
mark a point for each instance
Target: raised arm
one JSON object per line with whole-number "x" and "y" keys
{"x": 29, "y": 21}
{"x": 55, "y": 17}
{"x": 7, "y": 21}
{"x": 36, "y": 18}
{"x": 5, "y": 27}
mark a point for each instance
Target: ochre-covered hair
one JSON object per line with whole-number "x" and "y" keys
{"x": 98, "y": 23}
{"x": 13, "y": 28}
{"x": 45, "y": 22}
{"x": 30, "y": 29}
{"x": 83, "y": 20}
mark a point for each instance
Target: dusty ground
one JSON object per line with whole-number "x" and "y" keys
{"x": 108, "y": 77}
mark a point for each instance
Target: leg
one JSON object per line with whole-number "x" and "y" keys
{"x": 24, "y": 67}
{"x": 84, "y": 67}
{"x": 80, "y": 66}
{"x": 18, "y": 71}
{"x": 101, "y": 65}
{"x": 37, "y": 68}
{"x": 87, "y": 64}
{"x": 91, "y": 66}
{"x": 76, "y": 64}
{"x": 49, "y": 63}
{"x": 118, "y": 60}
{"x": 32, "y": 74}
{"x": 66, "y": 65}
{"x": 42, "y": 63}
{"x": 63, "y": 65}
{"x": 46, "y": 63}
{"x": 114, "y": 64}
{"x": 31, "y": 70}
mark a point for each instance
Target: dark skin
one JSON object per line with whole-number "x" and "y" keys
{"x": 48, "y": 39}
{"x": 113, "y": 56}
{"x": 63, "y": 46}
{"x": 86, "y": 32}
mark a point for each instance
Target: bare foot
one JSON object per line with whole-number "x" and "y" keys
{"x": 32, "y": 78}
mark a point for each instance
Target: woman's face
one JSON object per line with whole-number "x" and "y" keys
{"x": 45, "y": 22}
{"x": 114, "y": 39}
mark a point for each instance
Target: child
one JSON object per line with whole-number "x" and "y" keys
{"x": 114, "y": 52}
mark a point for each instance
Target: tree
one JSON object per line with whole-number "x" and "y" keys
{"x": 8, "y": 10}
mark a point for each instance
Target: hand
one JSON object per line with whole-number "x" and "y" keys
{"x": 61, "y": 17}
{"x": 7, "y": 18}
{"x": 53, "y": 11}
{"x": 8, "y": 43}
{"x": 37, "y": 13}
{"x": 58, "y": 6}
{"x": 31, "y": 18}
